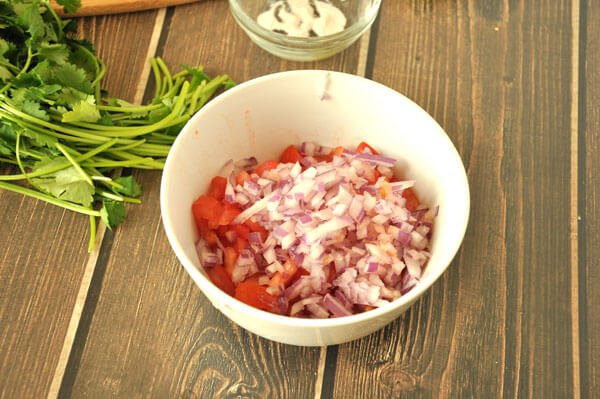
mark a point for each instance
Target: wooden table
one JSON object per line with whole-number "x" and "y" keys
{"x": 516, "y": 85}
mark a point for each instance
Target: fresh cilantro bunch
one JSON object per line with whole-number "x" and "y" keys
{"x": 59, "y": 131}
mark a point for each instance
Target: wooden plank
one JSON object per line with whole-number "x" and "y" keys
{"x": 589, "y": 229}
{"x": 153, "y": 334}
{"x": 496, "y": 75}
{"x": 45, "y": 252}
{"x": 39, "y": 276}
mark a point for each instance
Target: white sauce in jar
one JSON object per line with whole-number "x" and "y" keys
{"x": 303, "y": 18}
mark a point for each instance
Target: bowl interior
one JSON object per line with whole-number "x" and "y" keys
{"x": 263, "y": 116}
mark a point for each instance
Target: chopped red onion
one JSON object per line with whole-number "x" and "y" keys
{"x": 321, "y": 213}
{"x": 246, "y": 163}
{"x": 376, "y": 159}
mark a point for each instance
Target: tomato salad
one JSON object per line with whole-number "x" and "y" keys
{"x": 322, "y": 232}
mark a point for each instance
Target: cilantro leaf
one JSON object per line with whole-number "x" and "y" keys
{"x": 70, "y": 6}
{"x": 40, "y": 139}
{"x": 130, "y": 188}
{"x": 27, "y": 80}
{"x": 32, "y": 20}
{"x": 71, "y": 76}
{"x": 112, "y": 213}
{"x": 33, "y": 108}
{"x": 56, "y": 53}
{"x": 70, "y": 97}
{"x": 84, "y": 111}
{"x": 5, "y": 74}
{"x": 67, "y": 184}
{"x": 86, "y": 61}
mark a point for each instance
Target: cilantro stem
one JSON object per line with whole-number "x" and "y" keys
{"x": 118, "y": 164}
{"x": 6, "y": 160}
{"x": 59, "y": 24}
{"x": 27, "y": 63}
{"x": 166, "y": 73}
{"x": 128, "y": 109}
{"x": 122, "y": 131}
{"x": 75, "y": 164}
{"x": 48, "y": 198}
{"x": 18, "y": 157}
{"x": 78, "y": 133}
{"x": 116, "y": 197}
{"x": 157, "y": 78}
{"x": 106, "y": 180}
{"x": 9, "y": 65}
{"x": 62, "y": 165}
{"x": 130, "y": 146}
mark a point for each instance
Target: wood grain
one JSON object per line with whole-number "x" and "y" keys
{"x": 496, "y": 75}
{"x": 39, "y": 276}
{"x": 153, "y": 334}
{"x": 590, "y": 199}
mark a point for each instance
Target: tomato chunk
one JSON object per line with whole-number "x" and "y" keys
{"x": 208, "y": 208}
{"x": 242, "y": 177}
{"x": 337, "y": 151}
{"x": 364, "y": 147}
{"x": 217, "y": 187}
{"x": 412, "y": 202}
{"x": 230, "y": 256}
{"x": 221, "y": 279}
{"x": 282, "y": 278}
{"x": 268, "y": 165}
{"x": 290, "y": 155}
{"x": 240, "y": 244}
{"x": 241, "y": 230}
{"x": 229, "y": 213}
{"x": 257, "y": 228}
{"x": 256, "y": 295}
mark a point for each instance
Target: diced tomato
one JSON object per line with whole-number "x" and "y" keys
{"x": 373, "y": 179}
{"x": 207, "y": 208}
{"x": 230, "y": 256}
{"x": 268, "y": 165}
{"x": 205, "y": 232}
{"x": 229, "y": 213}
{"x": 211, "y": 238}
{"x": 242, "y": 177}
{"x": 412, "y": 202}
{"x": 257, "y": 228}
{"x": 299, "y": 273}
{"x": 256, "y": 295}
{"x": 363, "y": 146}
{"x": 240, "y": 244}
{"x": 217, "y": 187}
{"x": 202, "y": 225}
{"x": 324, "y": 158}
{"x": 241, "y": 230}
{"x": 337, "y": 151}
{"x": 285, "y": 276}
{"x": 221, "y": 279}
{"x": 290, "y": 155}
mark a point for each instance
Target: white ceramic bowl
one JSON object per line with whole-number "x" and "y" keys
{"x": 263, "y": 116}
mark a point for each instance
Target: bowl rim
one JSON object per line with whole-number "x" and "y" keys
{"x": 230, "y": 302}
{"x": 351, "y": 31}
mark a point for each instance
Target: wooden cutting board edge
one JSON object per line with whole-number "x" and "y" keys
{"x": 102, "y": 7}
